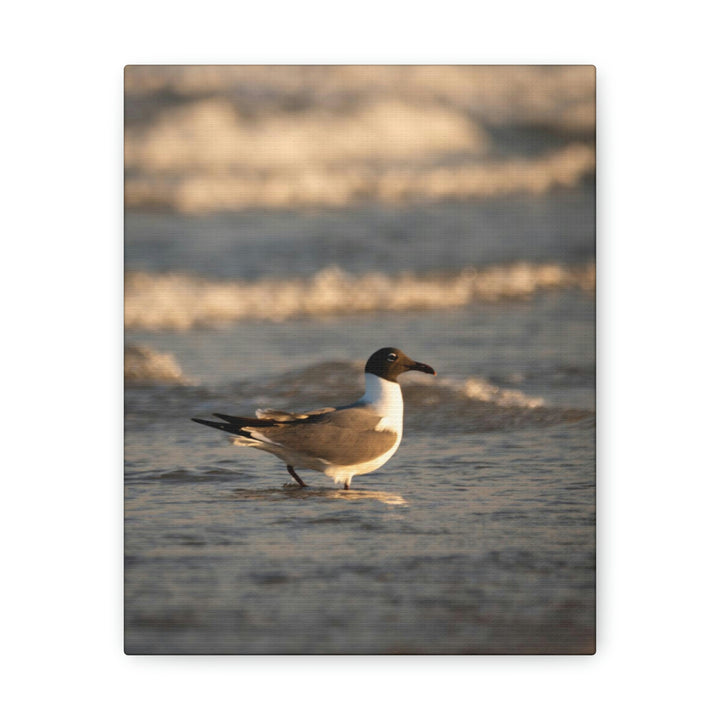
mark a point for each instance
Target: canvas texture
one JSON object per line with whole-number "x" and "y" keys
{"x": 282, "y": 224}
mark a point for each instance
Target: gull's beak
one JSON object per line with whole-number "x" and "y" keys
{"x": 422, "y": 367}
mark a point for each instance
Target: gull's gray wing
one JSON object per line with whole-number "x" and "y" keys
{"x": 342, "y": 437}
{"x": 285, "y": 416}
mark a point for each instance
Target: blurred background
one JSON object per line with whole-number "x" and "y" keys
{"x": 207, "y": 139}
{"x": 281, "y": 224}
{"x": 318, "y": 175}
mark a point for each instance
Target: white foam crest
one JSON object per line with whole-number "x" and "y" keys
{"x": 209, "y": 134}
{"x": 480, "y": 389}
{"x": 177, "y": 301}
{"x": 531, "y": 94}
{"x": 204, "y": 139}
{"x": 142, "y": 364}
{"x": 314, "y": 184}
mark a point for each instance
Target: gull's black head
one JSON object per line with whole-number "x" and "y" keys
{"x": 390, "y": 362}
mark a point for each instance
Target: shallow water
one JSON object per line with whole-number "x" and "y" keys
{"x": 462, "y": 546}
{"x": 477, "y": 536}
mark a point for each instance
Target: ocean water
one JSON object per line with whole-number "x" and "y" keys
{"x": 445, "y": 215}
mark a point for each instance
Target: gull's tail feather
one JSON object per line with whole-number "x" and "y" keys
{"x": 242, "y": 422}
{"x": 218, "y": 425}
{"x": 233, "y": 424}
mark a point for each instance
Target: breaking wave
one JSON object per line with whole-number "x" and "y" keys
{"x": 156, "y": 301}
{"x": 432, "y": 404}
{"x": 305, "y": 388}
{"x": 317, "y": 185}
{"x": 458, "y": 404}
{"x": 143, "y": 365}
{"x": 206, "y": 139}
{"x": 482, "y": 390}
{"x": 562, "y": 97}
{"x": 475, "y": 404}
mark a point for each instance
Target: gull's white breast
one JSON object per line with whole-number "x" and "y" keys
{"x": 385, "y": 398}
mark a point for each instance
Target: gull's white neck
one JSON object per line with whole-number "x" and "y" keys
{"x": 384, "y": 396}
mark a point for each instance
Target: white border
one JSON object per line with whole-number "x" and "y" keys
{"x": 62, "y": 289}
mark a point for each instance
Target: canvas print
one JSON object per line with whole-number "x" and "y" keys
{"x": 359, "y": 360}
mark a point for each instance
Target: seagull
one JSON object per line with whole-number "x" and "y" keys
{"x": 340, "y": 442}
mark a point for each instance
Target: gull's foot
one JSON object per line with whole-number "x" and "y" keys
{"x": 296, "y": 477}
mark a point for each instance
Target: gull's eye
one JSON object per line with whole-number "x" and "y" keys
{"x": 392, "y": 357}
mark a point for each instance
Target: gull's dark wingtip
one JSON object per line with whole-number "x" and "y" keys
{"x": 211, "y": 423}
{"x": 232, "y": 427}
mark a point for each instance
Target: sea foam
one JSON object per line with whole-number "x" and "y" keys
{"x": 201, "y": 190}
{"x": 207, "y": 139}
{"x": 144, "y": 365}
{"x": 155, "y": 301}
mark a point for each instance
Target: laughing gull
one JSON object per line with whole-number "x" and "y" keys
{"x": 340, "y": 442}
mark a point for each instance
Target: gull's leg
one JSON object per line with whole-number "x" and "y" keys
{"x": 297, "y": 478}
{"x": 347, "y": 484}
